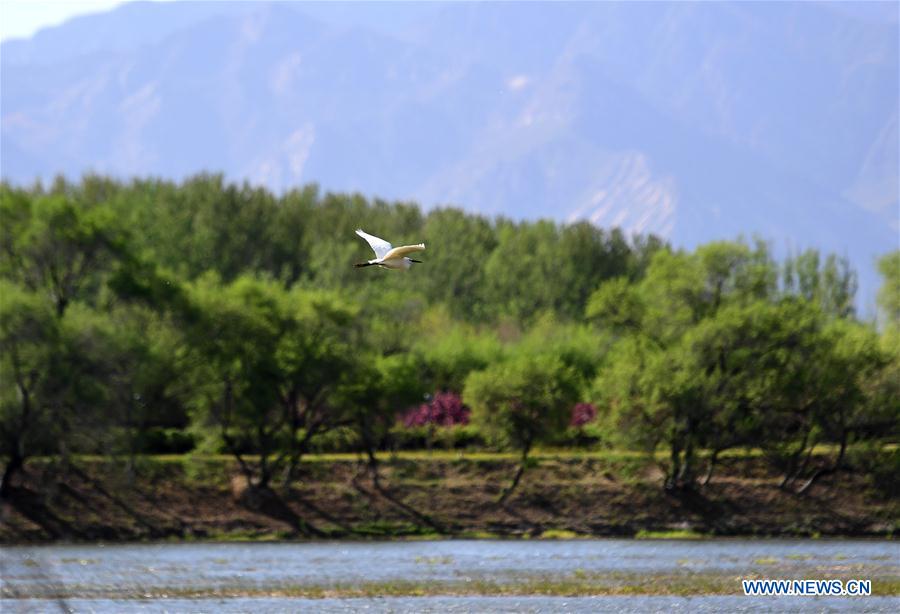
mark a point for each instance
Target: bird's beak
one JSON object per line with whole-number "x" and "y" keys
{"x": 417, "y": 261}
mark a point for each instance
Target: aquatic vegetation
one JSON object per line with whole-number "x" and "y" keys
{"x": 674, "y": 534}
{"x": 480, "y": 535}
{"x": 434, "y": 560}
{"x": 384, "y": 528}
{"x": 578, "y": 583}
{"x": 687, "y": 562}
{"x": 560, "y": 534}
{"x": 799, "y": 557}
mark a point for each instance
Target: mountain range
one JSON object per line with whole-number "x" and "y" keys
{"x": 695, "y": 121}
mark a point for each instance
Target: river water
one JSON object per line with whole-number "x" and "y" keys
{"x": 249, "y": 577}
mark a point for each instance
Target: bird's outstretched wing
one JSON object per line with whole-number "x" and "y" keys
{"x": 402, "y": 250}
{"x": 379, "y": 246}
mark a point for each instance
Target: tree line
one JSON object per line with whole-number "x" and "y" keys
{"x": 150, "y": 315}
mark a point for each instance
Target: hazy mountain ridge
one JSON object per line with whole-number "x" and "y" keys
{"x": 695, "y": 121}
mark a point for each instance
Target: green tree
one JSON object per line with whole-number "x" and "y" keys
{"x": 578, "y": 346}
{"x": 587, "y": 256}
{"x": 458, "y": 246}
{"x": 133, "y": 352}
{"x": 889, "y": 293}
{"x": 521, "y": 276}
{"x": 626, "y": 388}
{"x": 54, "y": 245}
{"x": 73, "y": 378}
{"x": 698, "y": 334}
{"x": 850, "y": 410}
{"x": 448, "y": 351}
{"x": 741, "y": 365}
{"x": 288, "y": 253}
{"x": 616, "y": 305}
{"x": 268, "y": 367}
{"x": 378, "y": 389}
{"x": 234, "y": 372}
{"x": 831, "y": 285}
{"x": 315, "y": 357}
{"x": 522, "y": 402}
{"x": 29, "y": 345}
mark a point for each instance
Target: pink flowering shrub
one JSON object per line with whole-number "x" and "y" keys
{"x": 582, "y": 413}
{"x": 445, "y": 409}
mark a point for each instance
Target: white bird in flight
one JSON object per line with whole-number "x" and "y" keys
{"x": 388, "y": 256}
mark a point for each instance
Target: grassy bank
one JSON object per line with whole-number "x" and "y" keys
{"x": 444, "y": 494}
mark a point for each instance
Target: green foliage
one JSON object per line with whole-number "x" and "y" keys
{"x": 881, "y": 463}
{"x": 265, "y": 362}
{"x": 339, "y": 439}
{"x": 712, "y": 355}
{"x": 578, "y": 347}
{"x": 889, "y": 295}
{"x": 158, "y": 440}
{"x": 56, "y": 245}
{"x": 779, "y": 375}
{"x": 523, "y": 401}
{"x": 591, "y": 435}
{"x": 832, "y": 285}
{"x": 458, "y": 245}
{"x": 616, "y": 305}
{"x": 130, "y": 312}
{"x": 448, "y": 351}
{"x": 627, "y": 386}
{"x": 142, "y": 381}
{"x": 233, "y": 364}
{"x": 30, "y": 340}
{"x": 455, "y": 437}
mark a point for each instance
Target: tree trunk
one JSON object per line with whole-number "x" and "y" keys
{"x": 686, "y": 474}
{"x": 675, "y": 469}
{"x": 61, "y": 304}
{"x": 265, "y": 470}
{"x": 13, "y": 467}
{"x": 17, "y": 440}
{"x": 515, "y": 482}
{"x": 369, "y": 446}
{"x": 293, "y": 419}
{"x": 711, "y": 466}
{"x": 298, "y": 450}
{"x": 373, "y": 467}
{"x": 838, "y": 463}
{"x": 792, "y": 470}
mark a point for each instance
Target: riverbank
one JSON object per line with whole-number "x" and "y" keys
{"x": 445, "y": 495}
